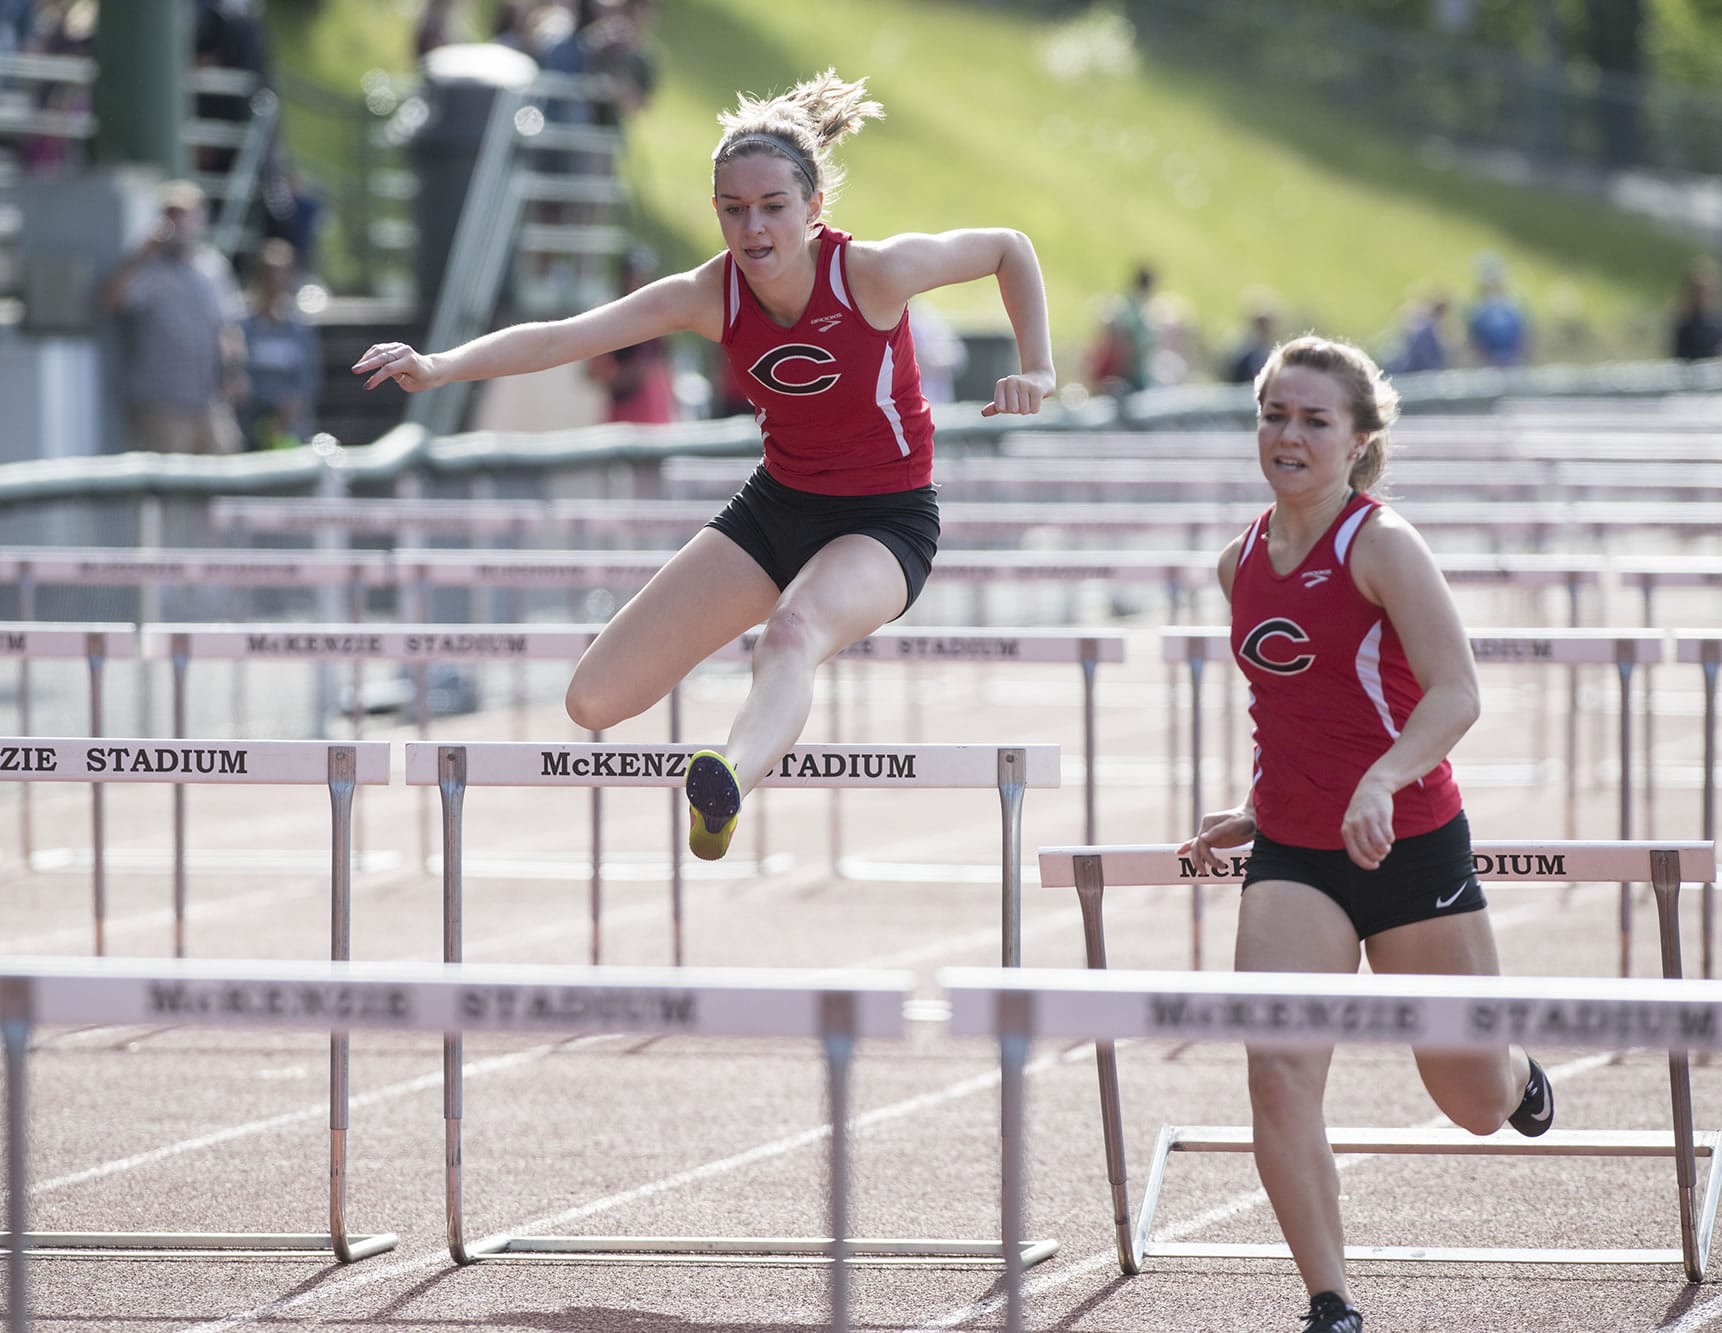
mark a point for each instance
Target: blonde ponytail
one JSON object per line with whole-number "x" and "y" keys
{"x": 801, "y": 125}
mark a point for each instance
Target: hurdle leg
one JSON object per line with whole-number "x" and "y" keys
{"x": 1695, "y": 1224}
{"x": 1090, "y": 891}
{"x": 98, "y": 823}
{"x": 595, "y": 883}
{"x": 837, "y": 1019}
{"x": 451, "y": 786}
{"x": 678, "y": 822}
{"x": 1013, "y": 1026}
{"x": 1013, "y": 779}
{"x": 343, "y": 779}
{"x": 1089, "y": 664}
{"x": 1195, "y": 797}
{"x": 17, "y": 1038}
{"x": 1624, "y": 669}
{"x": 1709, "y": 816}
{"x": 26, "y": 611}
{"x": 181, "y": 661}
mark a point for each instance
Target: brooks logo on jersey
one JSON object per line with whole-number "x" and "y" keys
{"x": 1314, "y": 578}
{"x": 825, "y": 323}
{"x": 1277, "y": 628}
{"x": 766, "y": 369}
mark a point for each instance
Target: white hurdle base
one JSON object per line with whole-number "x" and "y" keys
{"x": 172, "y": 1244}
{"x": 1431, "y": 1142}
{"x": 779, "y": 1251}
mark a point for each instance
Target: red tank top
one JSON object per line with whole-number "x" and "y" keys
{"x": 838, "y": 401}
{"x": 1330, "y": 689}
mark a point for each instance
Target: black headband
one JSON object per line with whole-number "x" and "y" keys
{"x": 777, "y": 144}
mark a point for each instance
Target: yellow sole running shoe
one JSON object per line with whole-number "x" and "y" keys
{"x": 714, "y": 798}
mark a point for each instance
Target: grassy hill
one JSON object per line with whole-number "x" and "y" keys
{"x": 1106, "y": 157}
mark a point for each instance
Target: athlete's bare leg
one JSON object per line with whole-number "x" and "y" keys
{"x": 849, "y": 589}
{"x": 1289, "y": 927}
{"x": 708, "y": 593}
{"x": 1475, "y": 1089}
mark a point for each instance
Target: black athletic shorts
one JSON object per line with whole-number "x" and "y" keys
{"x": 1423, "y": 877}
{"x": 783, "y": 528}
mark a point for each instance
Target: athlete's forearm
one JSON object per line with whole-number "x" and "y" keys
{"x": 1023, "y": 291}
{"x": 516, "y": 350}
{"x": 1436, "y": 725}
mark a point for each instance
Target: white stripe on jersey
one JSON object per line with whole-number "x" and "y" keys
{"x": 1348, "y": 530}
{"x": 1249, "y": 542}
{"x": 1369, "y": 676}
{"x": 837, "y": 289}
{"x": 887, "y": 404}
{"x": 734, "y": 294}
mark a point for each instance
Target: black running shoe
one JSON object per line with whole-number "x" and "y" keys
{"x": 1329, "y": 1314}
{"x": 1536, "y": 1111}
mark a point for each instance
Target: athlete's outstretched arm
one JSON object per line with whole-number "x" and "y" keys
{"x": 689, "y": 301}
{"x": 891, "y": 272}
{"x": 1393, "y": 568}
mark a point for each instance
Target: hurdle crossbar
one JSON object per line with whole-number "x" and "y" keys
{"x": 432, "y": 998}
{"x": 1665, "y": 865}
{"x": 455, "y": 768}
{"x": 341, "y": 768}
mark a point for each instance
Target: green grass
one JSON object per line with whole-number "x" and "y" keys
{"x": 1224, "y": 188}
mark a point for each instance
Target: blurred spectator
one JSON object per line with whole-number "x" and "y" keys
{"x": 230, "y": 35}
{"x": 15, "y": 25}
{"x": 1698, "y": 315}
{"x": 59, "y": 28}
{"x": 616, "y": 41}
{"x": 512, "y": 26}
{"x": 1246, "y": 359}
{"x": 180, "y": 310}
{"x": 292, "y": 210}
{"x": 283, "y": 360}
{"x": 436, "y": 27}
{"x": 1495, "y": 324}
{"x": 1123, "y": 357}
{"x": 639, "y": 379}
{"x": 1424, "y": 337}
{"x": 1177, "y": 340}
{"x": 938, "y": 351}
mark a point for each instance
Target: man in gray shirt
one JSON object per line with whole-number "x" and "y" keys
{"x": 181, "y": 310}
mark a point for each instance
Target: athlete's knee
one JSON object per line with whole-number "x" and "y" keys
{"x": 1476, "y": 1110}
{"x": 787, "y": 632}
{"x": 594, "y": 702}
{"x": 1284, "y": 1084}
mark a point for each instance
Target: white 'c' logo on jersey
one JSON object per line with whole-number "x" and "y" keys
{"x": 1277, "y": 627}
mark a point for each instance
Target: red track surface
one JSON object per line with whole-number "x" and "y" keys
{"x": 197, "y": 1130}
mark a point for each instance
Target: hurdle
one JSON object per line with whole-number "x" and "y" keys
{"x": 414, "y": 644}
{"x": 455, "y": 768}
{"x": 1623, "y": 649}
{"x": 1299, "y": 1009}
{"x": 1011, "y": 770}
{"x": 342, "y": 768}
{"x": 1666, "y": 865}
{"x": 786, "y": 1003}
{"x": 27, "y": 641}
{"x": 1704, "y": 647}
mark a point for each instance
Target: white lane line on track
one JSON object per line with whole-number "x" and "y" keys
{"x": 341, "y": 1283}
{"x": 251, "y": 1128}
